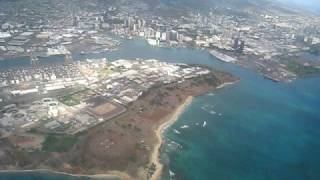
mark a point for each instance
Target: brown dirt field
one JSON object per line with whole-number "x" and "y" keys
{"x": 126, "y": 142}
{"x": 104, "y": 109}
{"x": 27, "y": 141}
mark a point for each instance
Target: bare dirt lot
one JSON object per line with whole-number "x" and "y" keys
{"x": 105, "y": 108}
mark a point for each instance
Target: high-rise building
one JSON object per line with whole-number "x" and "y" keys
{"x": 134, "y": 27}
{"x": 139, "y": 24}
{"x": 236, "y": 43}
{"x": 173, "y": 35}
{"x": 143, "y": 23}
{"x": 158, "y": 35}
{"x": 75, "y": 23}
{"x": 242, "y": 44}
{"x": 164, "y": 36}
{"x": 129, "y": 22}
{"x": 168, "y": 36}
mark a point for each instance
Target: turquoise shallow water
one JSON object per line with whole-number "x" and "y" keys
{"x": 265, "y": 131}
{"x": 256, "y": 129}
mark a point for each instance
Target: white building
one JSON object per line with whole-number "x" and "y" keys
{"x": 4, "y": 35}
{"x": 24, "y": 92}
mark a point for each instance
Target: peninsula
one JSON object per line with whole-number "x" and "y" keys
{"x": 96, "y": 117}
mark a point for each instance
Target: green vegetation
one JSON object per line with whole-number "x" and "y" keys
{"x": 58, "y": 143}
{"x": 33, "y": 130}
{"x": 69, "y": 100}
{"x": 106, "y": 72}
{"x": 150, "y": 170}
{"x": 75, "y": 98}
{"x": 210, "y": 79}
{"x": 300, "y": 69}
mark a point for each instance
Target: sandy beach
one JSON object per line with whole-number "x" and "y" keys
{"x": 172, "y": 118}
{"x": 226, "y": 84}
{"x": 111, "y": 174}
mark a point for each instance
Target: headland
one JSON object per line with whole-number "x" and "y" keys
{"x": 112, "y": 126}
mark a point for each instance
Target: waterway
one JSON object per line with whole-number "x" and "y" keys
{"x": 255, "y": 129}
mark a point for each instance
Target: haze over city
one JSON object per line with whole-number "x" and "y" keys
{"x": 159, "y": 90}
{"x": 310, "y": 5}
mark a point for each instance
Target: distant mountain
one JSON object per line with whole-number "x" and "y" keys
{"x": 236, "y": 7}
{"x": 308, "y": 5}
{"x": 159, "y": 7}
{"x": 206, "y": 4}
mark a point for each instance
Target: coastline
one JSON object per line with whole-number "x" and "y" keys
{"x": 226, "y": 84}
{"x": 171, "y": 119}
{"x": 155, "y": 156}
{"x": 111, "y": 174}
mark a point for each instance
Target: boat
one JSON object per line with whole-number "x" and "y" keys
{"x": 176, "y": 131}
{"x": 171, "y": 173}
{"x": 222, "y": 57}
{"x": 153, "y": 42}
{"x": 184, "y": 127}
{"x": 204, "y": 124}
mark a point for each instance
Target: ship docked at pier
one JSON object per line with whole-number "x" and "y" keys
{"x": 222, "y": 57}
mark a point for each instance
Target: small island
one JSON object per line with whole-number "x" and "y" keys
{"x": 96, "y": 117}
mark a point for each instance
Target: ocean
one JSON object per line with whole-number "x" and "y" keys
{"x": 255, "y": 129}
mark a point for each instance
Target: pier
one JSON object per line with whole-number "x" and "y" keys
{"x": 34, "y": 60}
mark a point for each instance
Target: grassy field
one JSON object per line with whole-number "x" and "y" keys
{"x": 75, "y": 98}
{"x": 106, "y": 72}
{"x": 58, "y": 143}
{"x": 69, "y": 100}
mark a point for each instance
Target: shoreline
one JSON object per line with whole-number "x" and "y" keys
{"x": 155, "y": 156}
{"x": 111, "y": 174}
{"x": 226, "y": 84}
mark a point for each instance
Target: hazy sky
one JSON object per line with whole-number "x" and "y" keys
{"x": 305, "y": 2}
{"x": 312, "y": 5}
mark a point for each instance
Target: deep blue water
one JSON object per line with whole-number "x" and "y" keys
{"x": 261, "y": 129}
